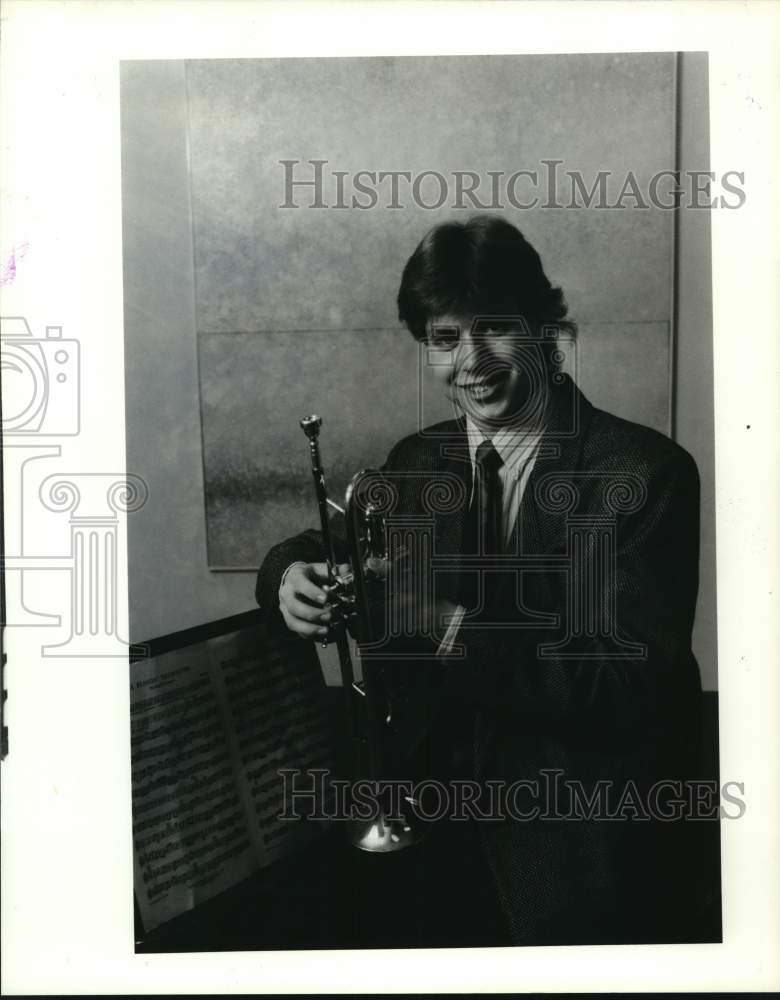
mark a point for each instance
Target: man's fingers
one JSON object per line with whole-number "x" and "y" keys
{"x": 303, "y": 599}
{"x": 310, "y": 631}
{"x": 303, "y": 628}
{"x": 317, "y": 572}
{"x": 311, "y": 581}
{"x": 306, "y": 612}
{"x": 305, "y": 587}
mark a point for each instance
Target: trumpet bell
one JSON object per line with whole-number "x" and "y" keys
{"x": 383, "y": 835}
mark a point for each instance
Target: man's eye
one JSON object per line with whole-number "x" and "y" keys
{"x": 445, "y": 337}
{"x": 492, "y": 328}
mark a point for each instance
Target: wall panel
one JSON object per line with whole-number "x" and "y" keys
{"x": 295, "y": 307}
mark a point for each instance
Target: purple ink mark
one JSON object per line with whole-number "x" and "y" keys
{"x": 9, "y": 269}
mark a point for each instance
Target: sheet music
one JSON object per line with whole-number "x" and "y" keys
{"x": 211, "y": 725}
{"x": 190, "y": 832}
{"x": 278, "y": 720}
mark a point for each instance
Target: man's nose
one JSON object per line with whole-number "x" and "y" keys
{"x": 471, "y": 345}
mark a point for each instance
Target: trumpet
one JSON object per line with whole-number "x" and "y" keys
{"x": 352, "y": 594}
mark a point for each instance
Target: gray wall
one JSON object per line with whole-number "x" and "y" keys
{"x": 694, "y": 416}
{"x": 171, "y": 586}
{"x": 295, "y": 308}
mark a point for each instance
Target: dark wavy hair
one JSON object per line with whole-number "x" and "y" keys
{"x": 482, "y": 267}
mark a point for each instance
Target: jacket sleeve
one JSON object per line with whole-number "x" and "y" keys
{"x": 649, "y": 599}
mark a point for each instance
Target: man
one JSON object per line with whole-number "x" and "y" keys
{"x": 557, "y": 652}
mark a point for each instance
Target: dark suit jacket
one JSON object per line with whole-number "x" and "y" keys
{"x": 613, "y": 698}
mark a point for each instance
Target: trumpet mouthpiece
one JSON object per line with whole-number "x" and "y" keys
{"x": 311, "y": 425}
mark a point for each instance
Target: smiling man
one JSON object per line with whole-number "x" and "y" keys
{"x": 557, "y": 660}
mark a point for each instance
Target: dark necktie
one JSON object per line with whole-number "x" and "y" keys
{"x": 488, "y": 483}
{"x": 483, "y": 529}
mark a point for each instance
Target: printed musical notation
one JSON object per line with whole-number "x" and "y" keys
{"x": 210, "y": 726}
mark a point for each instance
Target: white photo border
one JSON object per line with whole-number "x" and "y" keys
{"x": 67, "y": 870}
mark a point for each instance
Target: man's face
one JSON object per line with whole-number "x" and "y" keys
{"x": 493, "y": 371}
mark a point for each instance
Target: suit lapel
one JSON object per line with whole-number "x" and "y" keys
{"x": 454, "y": 467}
{"x": 538, "y": 528}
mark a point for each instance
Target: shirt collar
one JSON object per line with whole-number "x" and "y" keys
{"x": 515, "y": 445}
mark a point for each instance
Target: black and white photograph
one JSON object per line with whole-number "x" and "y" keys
{"x": 388, "y": 590}
{"x": 477, "y": 705}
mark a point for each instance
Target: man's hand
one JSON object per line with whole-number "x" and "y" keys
{"x": 303, "y": 600}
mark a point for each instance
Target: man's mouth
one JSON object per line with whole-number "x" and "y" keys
{"x": 483, "y": 388}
